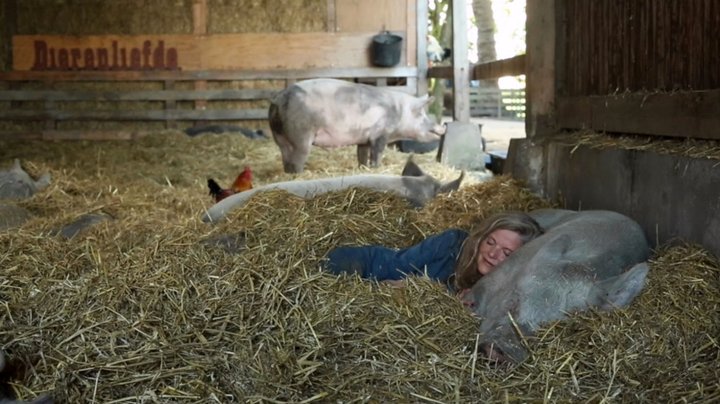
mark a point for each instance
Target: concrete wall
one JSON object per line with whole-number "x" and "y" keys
{"x": 672, "y": 197}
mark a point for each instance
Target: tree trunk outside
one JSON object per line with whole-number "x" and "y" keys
{"x": 485, "y": 22}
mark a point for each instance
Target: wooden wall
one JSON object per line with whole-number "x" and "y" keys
{"x": 645, "y": 67}
{"x": 222, "y": 60}
{"x": 640, "y": 67}
{"x": 616, "y": 46}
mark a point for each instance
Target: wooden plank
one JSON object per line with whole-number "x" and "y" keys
{"x": 413, "y": 29}
{"x": 513, "y": 66}
{"x": 142, "y": 95}
{"x": 461, "y": 76}
{"x": 244, "y": 74}
{"x": 331, "y": 16}
{"x": 370, "y": 15}
{"x": 73, "y": 135}
{"x": 421, "y": 18}
{"x": 541, "y": 66}
{"x": 200, "y": 13}
{"x": 691, "y": 114}
{"x": 9, "y": 29}
{"x": 139, "y": 115}
{"x": 190, "y": 52}
{"x": 169, "y": 85}
{"x": 440, "y": 72}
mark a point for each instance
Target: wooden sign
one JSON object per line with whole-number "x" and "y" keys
{"x": 191, "y": 52}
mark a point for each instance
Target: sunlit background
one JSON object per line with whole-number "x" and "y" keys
{"x": 509, "y": 35}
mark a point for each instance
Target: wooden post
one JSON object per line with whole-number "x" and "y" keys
{"x": 10, "y": 28}
{"x": 331, "y": 16}
{"x": 421, "y": 10}
{"x": 200, "y": 28}
{"x": 170, "y": 104}
{"x": 461, "y": 76}
{"x": 541, "y": 59}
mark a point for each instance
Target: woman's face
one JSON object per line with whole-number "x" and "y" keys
{"x": 497, "y": 246}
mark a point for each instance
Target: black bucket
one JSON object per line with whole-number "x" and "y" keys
{"x": 386, "y": 49}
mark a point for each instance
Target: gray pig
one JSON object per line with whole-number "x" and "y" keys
{"x": 413, "y": 184}
{"x": 17, "y": 184}
{"x": 592, "y": 259}
{"x": 334, "y": 113}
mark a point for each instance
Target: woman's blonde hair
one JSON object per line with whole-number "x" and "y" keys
{"x": 466, "y": 273}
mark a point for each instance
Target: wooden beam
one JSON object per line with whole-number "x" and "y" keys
{"x": 461, "y": 81}
{"x": 251, "y": 74}
{"x": 541, "y": 66}
{"x": 139, "y": 115}
{"x": 141, "y": 95}
{"x": 331, "y": 16}
{"x": 73, "y": 135}
{"x": 421, "y": 11}
{"x": 169, "y": 85}
{"x": 690, "y": 114}
{"x": 513, "y": 66}
{"x": 9, "y": 29}
{"x": 187, "y": 52}
{"x": 200, "y": 13}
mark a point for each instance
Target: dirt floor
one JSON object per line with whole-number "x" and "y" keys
{"x": 498, "y": 132}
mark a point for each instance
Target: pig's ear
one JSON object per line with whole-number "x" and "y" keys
{"x": 411, "y": 169}
{"x": 423, "y": 101}
{"x": 452, "y": 185}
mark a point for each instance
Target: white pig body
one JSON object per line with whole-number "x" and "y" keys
{"x": 335, "y": 113}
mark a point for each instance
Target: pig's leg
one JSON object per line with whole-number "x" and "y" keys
{"x": 363, "y": 154}
{"x": 293, "y": 156}
{"x": 376, "y": 149}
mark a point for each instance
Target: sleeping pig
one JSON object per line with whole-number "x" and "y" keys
{"x": 413, "y": 184}
{"x": 334, "y": 113}
{"x": 592, "y": 259}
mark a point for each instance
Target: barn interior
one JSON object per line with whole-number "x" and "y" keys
{"x": 150, "y": 304}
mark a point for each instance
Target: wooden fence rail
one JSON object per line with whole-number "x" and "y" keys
{"x": 35, "y": 96}
{"x": 497, "y": 103}
{"x": 31, "y": 96}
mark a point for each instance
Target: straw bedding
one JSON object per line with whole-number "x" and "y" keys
{"x": 143, "y": 308}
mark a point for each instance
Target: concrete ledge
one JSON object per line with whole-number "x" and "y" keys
{"x": 672, "y": 197}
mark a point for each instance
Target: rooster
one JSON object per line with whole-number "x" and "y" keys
{"x": 243, "y": 182}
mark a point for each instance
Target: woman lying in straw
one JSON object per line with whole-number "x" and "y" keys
{"x": 453, "y": 257}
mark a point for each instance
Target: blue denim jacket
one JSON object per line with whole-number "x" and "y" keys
{"x": 434, "y": 256}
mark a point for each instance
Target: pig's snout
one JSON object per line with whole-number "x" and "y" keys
{"x": 440, "y": 129}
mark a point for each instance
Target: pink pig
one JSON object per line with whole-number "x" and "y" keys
{"x": 334, "y": 113}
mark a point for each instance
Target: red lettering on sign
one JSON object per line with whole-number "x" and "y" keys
{"x": 115, "y": 57}
{"x": 172, "y": 59}
{"x": 75, "y": 56}
{"x": 102, "y": 59}
{"x": 63, "y": 63}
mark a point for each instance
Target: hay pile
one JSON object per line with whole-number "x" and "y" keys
{"x": 141, "y": 309}
{"x": 688, "y": 147}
